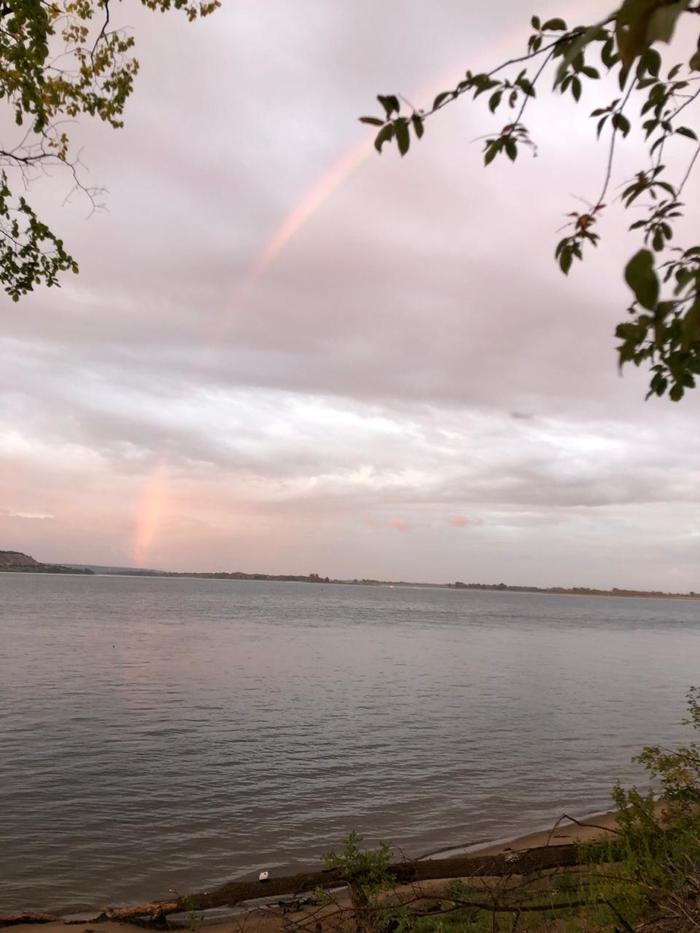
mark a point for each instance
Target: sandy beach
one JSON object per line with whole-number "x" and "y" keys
{"x": 565, "y": 832}
{"x": 268, "y": 913}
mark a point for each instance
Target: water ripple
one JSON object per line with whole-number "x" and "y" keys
{"x": 161, "y": 734}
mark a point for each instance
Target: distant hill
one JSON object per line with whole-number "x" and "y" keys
{"x": 17, "y": 562}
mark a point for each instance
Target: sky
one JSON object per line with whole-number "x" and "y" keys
{"x": 287, "y": 354}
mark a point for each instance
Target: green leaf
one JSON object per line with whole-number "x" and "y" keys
{"x": 373, "y": 121}
{"x": 535, "y": 22}
{"x": 403, "y": 138}
{"x": 564, "y": 254}
{"x": 630, "y": 30}
{"x": 390, "y": 103}
{"x": 483, "y": 84}
{"x": 575, "y": 51}
{"x": 608, "y": 56}
{"x": 621, "y": 123}
{"x": 653, "y": 62}
{"x": 511, "y": 148}
{"x": 495, "y": 100}
{"x": 691, "y": 325}
{"x": 554, "y": 25}
{"x": 662, "y": 22}
{"x": 493, "y": 147}
{"x": 418, "y": 127}
{"x": 658, "y": 385}
{"x": 441, "y": 98}
{"x": 686, "y": 131}
{"x": 640, "y": 275}
{"x": 640, "y": 23}
{"x": 383, "y": 136}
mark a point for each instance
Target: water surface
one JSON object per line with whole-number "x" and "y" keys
{"x": 172, "y": 733}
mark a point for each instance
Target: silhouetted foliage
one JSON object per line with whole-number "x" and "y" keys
{"x": 59, "y": 60}
{"x": 663, "y": 330}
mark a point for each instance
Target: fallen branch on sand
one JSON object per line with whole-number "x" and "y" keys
{"x": 236, "y": 892}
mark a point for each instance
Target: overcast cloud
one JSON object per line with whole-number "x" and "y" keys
{"x": 408, "y": 389}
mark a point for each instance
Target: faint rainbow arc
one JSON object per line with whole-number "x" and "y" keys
{"x": 310, "y": 202}
{"x": 152, "y": 507}
{"x": 321, "y": 190}
{"x": 153, "y": 501}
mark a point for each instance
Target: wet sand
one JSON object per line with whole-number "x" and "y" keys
{"x": 566, "y": 832}
{"x": 271, "y": 918}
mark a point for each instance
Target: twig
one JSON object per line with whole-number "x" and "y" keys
{"x": 565, "y": 816}
{"x": 103, "y": 30}
{"x": 689, "y": 169}
{"x": 611, "y": 151}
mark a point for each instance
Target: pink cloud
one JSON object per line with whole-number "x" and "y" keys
{"x": 399, "y": 524}
{"x": 462, "y": 521}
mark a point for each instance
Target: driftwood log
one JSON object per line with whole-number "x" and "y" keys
{"x": 11, "y": 920}
{"x": 460, "y": 866}
{"x": 154, "y": 914}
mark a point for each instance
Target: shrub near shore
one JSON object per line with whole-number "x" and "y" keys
{"x": 644, "y": 877}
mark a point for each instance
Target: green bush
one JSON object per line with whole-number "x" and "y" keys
{"x": 366, "y": 872}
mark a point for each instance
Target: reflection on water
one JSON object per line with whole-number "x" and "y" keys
{"x": 170, "y": 733}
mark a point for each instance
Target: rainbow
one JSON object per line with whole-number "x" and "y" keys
{"x": 154, "y": 501}
{"x": 308, "y": 205}
{"x": 150, "y": 512}
{"x": 352, "y": 159}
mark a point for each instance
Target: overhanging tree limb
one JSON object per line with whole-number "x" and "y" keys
{"x": 59, "y": 61}
{"x": 664, "y": 333}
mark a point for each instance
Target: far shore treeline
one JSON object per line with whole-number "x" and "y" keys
{"x": 17, "y": 562}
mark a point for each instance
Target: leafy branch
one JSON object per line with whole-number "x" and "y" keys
{"x": 59, "y": 60}
{"x": 665, "y": 329}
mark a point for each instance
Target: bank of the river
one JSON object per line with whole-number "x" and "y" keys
{"x": 266, "y": 905}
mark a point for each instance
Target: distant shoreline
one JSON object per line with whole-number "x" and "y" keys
{"x": 49, "y": 568}
{"x": 472, "y": 587}
{"x": 15, "y": 565}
